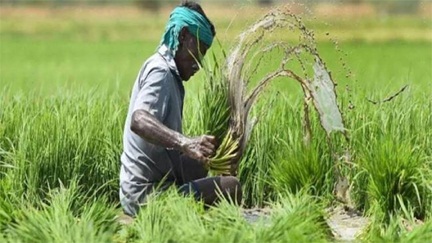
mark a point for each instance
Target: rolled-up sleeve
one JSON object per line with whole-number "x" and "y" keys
{"x": 153, "y": 95}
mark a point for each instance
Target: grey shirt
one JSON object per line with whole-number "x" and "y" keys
{"x": 158, "y": 89}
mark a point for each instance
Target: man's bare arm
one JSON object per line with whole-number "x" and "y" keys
{"x": 151, "y": 129}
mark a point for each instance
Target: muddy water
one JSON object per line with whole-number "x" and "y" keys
{"x": 300, "y": 62}
{"x": 297, "y": 61}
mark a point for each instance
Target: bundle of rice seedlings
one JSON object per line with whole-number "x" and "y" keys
{"x": 228, "y": 98}
{"x": 226, "y": 105}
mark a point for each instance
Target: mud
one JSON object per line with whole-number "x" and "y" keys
{"x": 346, "y": 224}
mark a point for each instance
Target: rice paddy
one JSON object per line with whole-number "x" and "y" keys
{"x": 64, "y": 93}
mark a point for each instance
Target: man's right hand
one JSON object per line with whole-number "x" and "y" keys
{"x": 200, "y": 148}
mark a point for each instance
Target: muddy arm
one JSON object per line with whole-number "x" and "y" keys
{"x": 151, "y": 129}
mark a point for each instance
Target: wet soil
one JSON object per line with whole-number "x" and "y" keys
{"x": 345, "y": 223}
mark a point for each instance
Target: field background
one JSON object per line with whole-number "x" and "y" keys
{"x": 66, "y": 72}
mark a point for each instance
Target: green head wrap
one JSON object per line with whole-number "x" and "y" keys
{"x": 184, "y": 17}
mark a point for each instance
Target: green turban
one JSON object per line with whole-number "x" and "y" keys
{"x": 197, "y": 25}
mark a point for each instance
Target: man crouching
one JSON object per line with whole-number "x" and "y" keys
{"x": 156, "y": 154}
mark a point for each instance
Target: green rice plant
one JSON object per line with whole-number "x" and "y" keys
{"x": 398, "y": 229}
{"x": 8, "y": 205}
{"x": 295, "y": 218}
{"x": 170, "y": 217}
{"x": 393, "y": 167}
{"x": 254, "y": 167}
{"x": 227, "y": 223}
{"x": 278, "y": 160}
{"x": 303, "y": 167}
{"x": 52, "y": 139}
{"x": 67, "y": 216}
{"x": 11, "y": 203}
{"x": 396, "y": 170}
{"x": 215, "y": 117}
{"x": 266, "y": 147}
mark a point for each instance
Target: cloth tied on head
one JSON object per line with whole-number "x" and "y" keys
{"x": 184, "y": 17}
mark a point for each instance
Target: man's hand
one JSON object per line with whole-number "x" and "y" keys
{"x": 199, "y": 148}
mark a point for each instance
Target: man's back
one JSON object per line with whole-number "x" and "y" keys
{"x": 159, "y": 90}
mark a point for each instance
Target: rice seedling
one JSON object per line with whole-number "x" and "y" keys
{"x": 70, "y": 216}
{"x": 295, "y": 217}
{"x": 8, "y": 206}
{"x": 303, "y": 167}
{"x": 168, "y": 217}
{"x": 393, "y": 168}
{"x": 171, "y": 217}
{"x": 398, "y": 229}
{"x": 54, "y": 139}
{"x": 396, "y": 175}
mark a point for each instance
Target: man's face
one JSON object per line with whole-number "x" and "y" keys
{"x": 189, "y": 54}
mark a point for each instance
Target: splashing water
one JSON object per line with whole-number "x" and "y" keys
{"x": 323, "y": 94}
{"x": 258, "y": 42}
{"x": 321, "y": 89}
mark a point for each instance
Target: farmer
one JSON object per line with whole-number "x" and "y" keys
{"x": 156, "y": 154}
